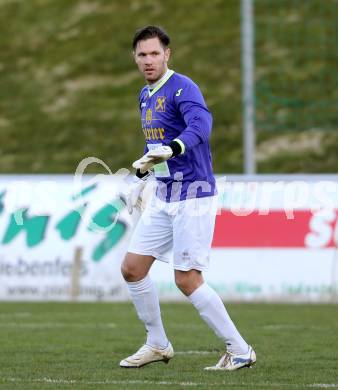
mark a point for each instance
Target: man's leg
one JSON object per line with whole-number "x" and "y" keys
{"x": 143, "y": 293}
{"x": 151, "y": 239}
{"x": 211, "y": 309}
{"x": 193, "y": 230}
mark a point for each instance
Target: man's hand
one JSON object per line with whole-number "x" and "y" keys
{"x": 134, "y": 191}
{"x": 152, "y": 158}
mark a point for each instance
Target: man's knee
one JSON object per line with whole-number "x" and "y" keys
{"x": 135, "y": 267}
{"x": 129, "y": 272}
{"x": 188, "y": 281}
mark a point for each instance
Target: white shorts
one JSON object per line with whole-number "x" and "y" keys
{"x": 186, "y": 227}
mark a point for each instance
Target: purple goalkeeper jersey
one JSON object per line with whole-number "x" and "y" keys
{"x": 175, "y": 109}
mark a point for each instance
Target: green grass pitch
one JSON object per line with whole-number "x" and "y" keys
{"x": 79, "y": 345}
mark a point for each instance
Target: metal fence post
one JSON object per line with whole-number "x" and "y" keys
{"x": 248, "y": 86}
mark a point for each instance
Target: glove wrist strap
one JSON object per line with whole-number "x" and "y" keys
{"x": 176, "y": 148}
{"x": 141, "y": 175}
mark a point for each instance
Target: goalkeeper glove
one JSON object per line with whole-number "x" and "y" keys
{"x": 158, "y": 155}
{"x": 134, "y": 191}
{"x": 153, "y": 157}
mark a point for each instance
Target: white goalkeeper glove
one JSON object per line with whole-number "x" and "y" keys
{"x": 153, "y": 157}
{"x": 134, "y": 192}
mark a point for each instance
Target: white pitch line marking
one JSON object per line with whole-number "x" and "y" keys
{"x": 17, "y": 314}
{"x": 51, "y": 325}
{"x": 290, "y": 327}
{"x": 166, "y": 383}
{"x": 196, "y": 352}
{"x": 104, "y": 382}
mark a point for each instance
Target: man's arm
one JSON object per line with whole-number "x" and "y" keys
{"x": 199, "y": 123}
{"x": 191, "y": 105}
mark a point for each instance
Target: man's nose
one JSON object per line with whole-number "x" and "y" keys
{"x": 148, "y": 60}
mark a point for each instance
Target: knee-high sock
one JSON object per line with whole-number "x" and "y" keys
{"x": 211, "y": 309}
{"x": 144, "y": 296}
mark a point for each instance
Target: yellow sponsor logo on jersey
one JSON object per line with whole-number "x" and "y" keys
{"x": 160, "y": 104}
{"x": 149, "y": 116}
{"x": 154, "y": 133}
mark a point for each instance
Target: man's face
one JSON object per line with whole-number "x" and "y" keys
{"x": 151, "y": 59}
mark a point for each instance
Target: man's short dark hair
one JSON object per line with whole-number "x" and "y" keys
{"x": 148, "y": 32}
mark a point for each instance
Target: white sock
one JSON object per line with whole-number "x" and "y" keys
{"x": 144, "y": 296}
{"x": 213, "y": 312}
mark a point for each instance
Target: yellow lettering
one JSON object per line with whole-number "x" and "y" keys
{"x": 153, "y": 133}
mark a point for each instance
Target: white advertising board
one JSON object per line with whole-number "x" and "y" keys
{"x": 275, "y": 239}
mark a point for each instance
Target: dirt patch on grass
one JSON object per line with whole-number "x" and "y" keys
{"x": 291, "y": 143}
{"x": 87, "y": 83}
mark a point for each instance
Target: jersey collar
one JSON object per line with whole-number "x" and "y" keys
{"x": 156, "y": 86}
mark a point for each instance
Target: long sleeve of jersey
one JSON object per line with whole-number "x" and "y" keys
{"x": 196, "y": 116}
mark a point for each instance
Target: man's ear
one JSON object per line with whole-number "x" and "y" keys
{"x": 167, "y": 53}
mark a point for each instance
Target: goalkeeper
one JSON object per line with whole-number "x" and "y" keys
{"x": 177, "y": 124}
